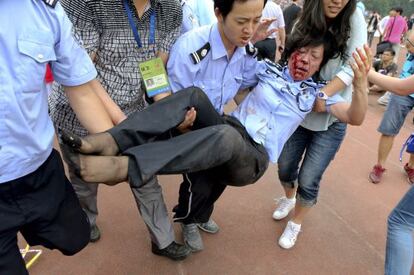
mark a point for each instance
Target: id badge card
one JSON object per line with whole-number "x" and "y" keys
{"x": 154, "y": 77}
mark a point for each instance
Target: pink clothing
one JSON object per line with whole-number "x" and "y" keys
{"x": 394, "y": 31}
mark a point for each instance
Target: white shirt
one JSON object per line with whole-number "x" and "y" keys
{"x": 383, "y": 24}
{"x": 273, "y": 10}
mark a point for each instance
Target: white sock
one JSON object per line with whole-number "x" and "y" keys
{"x": 291, "y": 199}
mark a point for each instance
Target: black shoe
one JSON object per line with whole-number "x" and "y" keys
{"x": 174, "y": 251}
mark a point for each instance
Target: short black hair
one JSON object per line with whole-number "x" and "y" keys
{"x": 225, "y": 6}
{"x": 397, "y": 9}
{"x": 390, "y": 50}
{"x": 297, "y": 40}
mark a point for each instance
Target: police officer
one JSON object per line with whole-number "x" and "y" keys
{"x": 190, "y": 20}
{"x": 35, "y": 196}
{"x": 220, "y": 60}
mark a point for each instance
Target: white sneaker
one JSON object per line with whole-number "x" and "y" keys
{"x": 284, "y": 206}
{"x": 289, "y": 236}
{"x": 384, "y": 99}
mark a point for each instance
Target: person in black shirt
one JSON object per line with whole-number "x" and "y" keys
{"x": 372, "y": 26}
{"x": 290, "y": 14}
{"x": 384, "y": 66}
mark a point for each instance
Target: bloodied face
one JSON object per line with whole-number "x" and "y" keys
{"x": 305, "y": 62}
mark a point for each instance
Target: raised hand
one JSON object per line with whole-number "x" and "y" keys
{"x": 361, "y": 68}
{"x": 262, "y": 31}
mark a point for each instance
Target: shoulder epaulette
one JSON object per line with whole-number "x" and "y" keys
{"x": 313, "y": 83}
{"x": 251, "y": 50}
{"x": 199, "y": 55}
{"x": 305, "y": 84}
{"x": 273, "y": 64}
{"x": 50, "y": 3}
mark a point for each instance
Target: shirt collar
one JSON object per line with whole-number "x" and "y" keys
{"x": 286, "y": 74}
{"x": 217, "y": 46}
{"x": 150, "y": 3}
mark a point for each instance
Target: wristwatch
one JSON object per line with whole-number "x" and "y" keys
{"x": 322, "y": 95}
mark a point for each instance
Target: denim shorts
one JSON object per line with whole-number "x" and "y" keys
{"x": 393, "y": 119}
{"x": 317, "y": 149}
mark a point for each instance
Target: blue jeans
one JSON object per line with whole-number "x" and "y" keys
{"x": 393, "y": 119}
{"x": 318, "y": 148}
{"x": 399, "y": 250}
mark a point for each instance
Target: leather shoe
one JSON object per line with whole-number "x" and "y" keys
{"x": 174, "y": 251}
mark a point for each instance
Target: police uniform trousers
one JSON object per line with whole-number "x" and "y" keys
{"x": 199, "y": 190}
{"x": 44, "y": 208}
{"x": 218, "y": 148}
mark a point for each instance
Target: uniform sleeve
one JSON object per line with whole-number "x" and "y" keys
{"x": 189, "y": 19}
{"x": 250, "y": 78}
{"x": 73, "y": 66}
{"x": 356, "y": 40}
{"x": 87, "y": 31}
{"x": 181, "y": 70}
{"x": 173, "y": 17}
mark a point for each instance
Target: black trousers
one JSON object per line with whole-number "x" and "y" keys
{"x": 200, "y": 190}
{"x": 218, "y": 148}
{"x": 45, "y": 209}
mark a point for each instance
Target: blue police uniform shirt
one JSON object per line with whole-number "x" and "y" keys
{"x": 190, "y": 20}
{"x": 273, "y": 110}
{"x": 33, "y": 34}
{"x": 204, "y": 10}
{"x": 219, "y": 77}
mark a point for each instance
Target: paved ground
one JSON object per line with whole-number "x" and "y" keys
{"x": 344, "y": 234}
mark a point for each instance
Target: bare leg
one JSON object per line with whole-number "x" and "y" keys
{"x": 290, "y": 192}
{"x": 411, "y": 161}
{"x": 300, "y": 213}
{"x": 384, "y": 148}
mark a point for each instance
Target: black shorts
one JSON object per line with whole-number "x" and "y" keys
{"x": 44, "y": 208}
